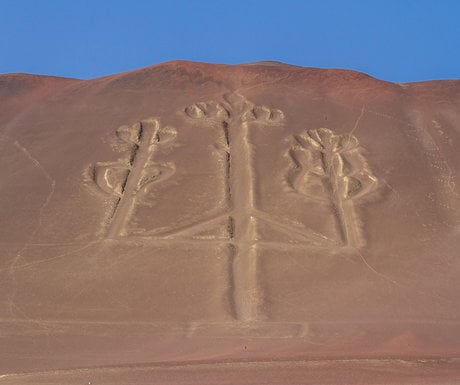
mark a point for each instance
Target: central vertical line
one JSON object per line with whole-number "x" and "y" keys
{"x": 244, "y": 270}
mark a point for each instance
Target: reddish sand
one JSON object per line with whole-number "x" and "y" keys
{"x": 264, "y": 223}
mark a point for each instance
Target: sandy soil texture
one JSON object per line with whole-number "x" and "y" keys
{"x": 263, "y": 223}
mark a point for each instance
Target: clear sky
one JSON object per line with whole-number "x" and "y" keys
{"x": 396, "y": 40}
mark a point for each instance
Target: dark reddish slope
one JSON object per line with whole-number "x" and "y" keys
{"x": 196, "y": 222}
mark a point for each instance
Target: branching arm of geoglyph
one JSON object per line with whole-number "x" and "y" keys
{"x": 331, "y": 169}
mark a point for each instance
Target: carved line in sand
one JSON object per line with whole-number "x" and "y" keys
{"x": 332, "y": 170}
{"x": 128, "y": 180}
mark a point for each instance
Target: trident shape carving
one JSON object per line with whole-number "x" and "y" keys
{"x": 328, "y": 168}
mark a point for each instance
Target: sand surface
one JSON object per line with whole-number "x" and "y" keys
{"x": 264, "y": 223}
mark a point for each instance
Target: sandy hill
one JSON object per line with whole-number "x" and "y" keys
{"x": 198, "y": 223}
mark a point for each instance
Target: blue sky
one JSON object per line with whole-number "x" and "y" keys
{"x": 396, "y": 40}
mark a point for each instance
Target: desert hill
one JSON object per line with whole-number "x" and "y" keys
{"x": 234, "y": 218}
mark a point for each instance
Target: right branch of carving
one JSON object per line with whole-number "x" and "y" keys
{"x": 331, "y": 169}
